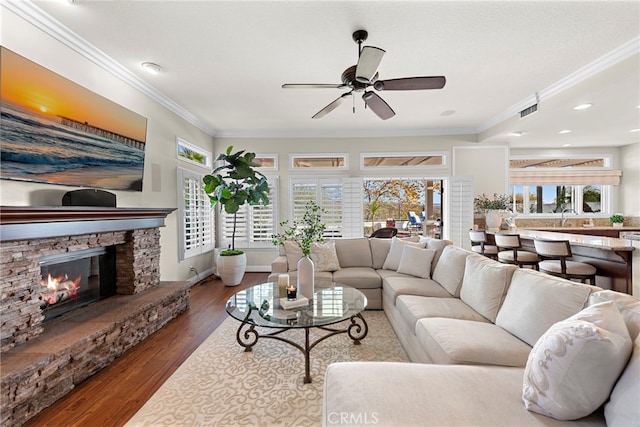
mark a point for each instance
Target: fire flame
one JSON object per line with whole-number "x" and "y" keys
{"x": 60, "y": 288}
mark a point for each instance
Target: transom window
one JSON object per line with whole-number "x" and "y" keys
{"x": 319, "y": 161}
{"x": 403, "y": 160}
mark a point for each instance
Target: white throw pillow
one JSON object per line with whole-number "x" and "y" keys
{"x": 395, "y": 252}
{"x": 294, "y": 253}
{"x": 324, "y": 256}
{"x": 575, "y": 364}
{"x": 623, "y": 409}
{"x": 416, "y": 261}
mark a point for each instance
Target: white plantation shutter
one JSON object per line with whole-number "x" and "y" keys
{"x": 340, "y": 198}
{"x": 459, "y": 213}
{"x": 255, "y": 224}
{"x": 352, "y": 212}
{"x": 196, "y": 231}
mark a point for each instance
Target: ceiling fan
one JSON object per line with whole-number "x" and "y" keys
{"x": 362, "y": 76}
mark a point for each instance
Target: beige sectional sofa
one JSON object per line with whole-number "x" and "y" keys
{"x": 360, "y": 263}
{"x": 496, "y": 345}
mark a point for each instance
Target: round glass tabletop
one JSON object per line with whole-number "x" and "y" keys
{"x": 332, "y": 303}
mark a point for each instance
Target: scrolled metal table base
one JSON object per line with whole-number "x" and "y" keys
{"x": 357, "y": 331}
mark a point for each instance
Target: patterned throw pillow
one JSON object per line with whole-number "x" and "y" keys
{"x": 294, "y": 253}
{"x": 573, "y": 367}
{"x": 324, "y": 256}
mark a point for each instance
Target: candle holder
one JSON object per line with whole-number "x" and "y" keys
{"x": 292, "y": 292}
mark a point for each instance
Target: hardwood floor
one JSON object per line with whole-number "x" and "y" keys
{"x": 115, "y": 394}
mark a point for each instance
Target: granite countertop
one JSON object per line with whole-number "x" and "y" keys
{"x": 595, "y": 227}
{"x": 585, "y": 240}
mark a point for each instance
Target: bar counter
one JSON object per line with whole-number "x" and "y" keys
{"x": 613, "y": 257}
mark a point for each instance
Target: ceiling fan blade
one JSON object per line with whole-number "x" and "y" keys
{"x": 311, "y": 86}
{"x": 378, "y": 105}
{"x": 411, "y": 83}
{"x": 368, "y": 63}
{"x": 329, "y": 108}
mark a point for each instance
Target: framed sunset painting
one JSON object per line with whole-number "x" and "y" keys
{"x": 55, "y": 131}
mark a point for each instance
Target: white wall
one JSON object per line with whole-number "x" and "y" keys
{"x": 630, "y": 182}
{"x": 159, "y": 189}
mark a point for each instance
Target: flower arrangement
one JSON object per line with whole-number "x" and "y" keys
{"x": 498, "y": 201}
{"x": 305, "y": 232}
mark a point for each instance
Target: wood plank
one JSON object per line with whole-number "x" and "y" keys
{"x": 112, "y": 396}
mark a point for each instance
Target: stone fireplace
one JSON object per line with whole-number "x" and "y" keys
{"x": 78, "y": 287}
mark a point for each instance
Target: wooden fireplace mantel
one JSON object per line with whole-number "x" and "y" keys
{"x": 31, "y": 222}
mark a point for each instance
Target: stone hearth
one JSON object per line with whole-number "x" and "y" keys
{"x": 42, "y": 362}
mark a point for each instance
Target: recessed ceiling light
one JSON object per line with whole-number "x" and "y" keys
{"x": 634, "y": 130}
{"x": 152, "y": 68}
{"x": 517, "y": 133}
{"x": 563, "y": 131}
{"x": 448, "y": 112}
{"x": 566, "y": 145}
{"x": 583, "y": 107}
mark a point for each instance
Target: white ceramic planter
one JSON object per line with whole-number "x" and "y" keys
{"x": 231, "y": 268}
{"x": 618, "y": 224}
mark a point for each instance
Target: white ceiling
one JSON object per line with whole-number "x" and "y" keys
{"x": 225, "y": 62}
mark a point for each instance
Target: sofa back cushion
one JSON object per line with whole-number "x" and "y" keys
{"x": 535, "y": 301}
{"x": 449, "y": 270}
{"x": 623, "y": 410}
{"x": 379, "y": 251}
{"x": 485, "y": 284}
{"x": 437, "y": 245}
{"x": 354, "y": 252}
{"x": 628, "y": 305}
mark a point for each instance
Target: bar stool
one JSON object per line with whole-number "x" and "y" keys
{"x": 478, "y": 244}
{"x": 554, "y": 254}
{"x": 513, "y": 254}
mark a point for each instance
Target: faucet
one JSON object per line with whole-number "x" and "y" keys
{"x": 563, "y": 219}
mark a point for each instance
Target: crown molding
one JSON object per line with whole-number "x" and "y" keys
{"x": 37, "y": 17}
{"x": 630, "y": 48}
{"x": 374, "y": 133}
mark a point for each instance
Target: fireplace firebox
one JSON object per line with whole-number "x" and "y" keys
{"x": 72, "y": 280}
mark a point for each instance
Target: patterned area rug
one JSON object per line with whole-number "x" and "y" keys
{"x": 221, "y": 385}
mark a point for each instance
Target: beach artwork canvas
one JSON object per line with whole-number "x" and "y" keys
{"x": 53, "y": 130}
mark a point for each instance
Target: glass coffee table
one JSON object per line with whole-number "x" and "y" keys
{"x": 333, "y": 303}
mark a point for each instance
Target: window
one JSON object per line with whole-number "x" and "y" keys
{"x": 266, "y": 162}
{"x": 435, "y": 160}
{"x": 549, "y": 185}
{"x": 254, "y": 224}
{"x": 196, "y": 231}
{"x": 341, "y": 198}
{"x": 319, "y": 161}
{"x": 190, "y": 153}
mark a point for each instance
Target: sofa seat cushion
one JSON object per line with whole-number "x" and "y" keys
{"x": 412, "y": 394}
{"x": 358, "y": 277}
{"x": 413, "y": 308}
{"x": 454, "y": 341}
{"x": 392, "y": 287}
{"x": 536, "y": 300}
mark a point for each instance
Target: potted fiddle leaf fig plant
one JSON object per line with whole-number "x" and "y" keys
{"x": 233, "y": 184}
